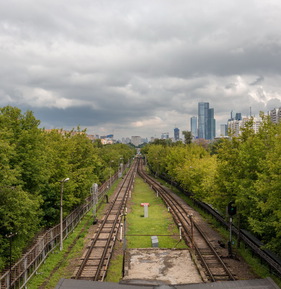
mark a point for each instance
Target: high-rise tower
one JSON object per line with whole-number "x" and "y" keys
{"x": 193, "y": 126}
{"x": 206, "y": 121}
{"x": 176, "y": 134}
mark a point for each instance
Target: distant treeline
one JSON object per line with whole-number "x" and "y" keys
{"x": 244, "y": 169}
{"x": 32, "y": 164}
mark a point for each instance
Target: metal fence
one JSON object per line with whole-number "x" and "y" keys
{"x": 21, "y": 272}
{"x": 270, "y": 259}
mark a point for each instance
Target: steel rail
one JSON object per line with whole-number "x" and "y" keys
{"x": 117, "y": 204}
{"x": 180, "y": 215}
{"x": 113, "y": 228}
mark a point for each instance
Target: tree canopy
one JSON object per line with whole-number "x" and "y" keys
{"x": 244, "y": 169}
{"x": 33, "y": 161}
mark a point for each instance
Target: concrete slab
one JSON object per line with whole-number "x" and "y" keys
{"x": 166, "y": 266}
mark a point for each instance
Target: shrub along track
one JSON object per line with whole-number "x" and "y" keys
{"x": 201, "y": 238}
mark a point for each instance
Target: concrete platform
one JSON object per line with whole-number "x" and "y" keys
{"x": 160, "y": 266}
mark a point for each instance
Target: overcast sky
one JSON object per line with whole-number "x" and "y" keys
{"x": 139, "y": 67}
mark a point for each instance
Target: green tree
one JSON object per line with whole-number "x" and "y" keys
{"x": 156, "y": 158}
{"x": 33, "y": 161}
{"x": 187, "y": 137}
{"x": 19, "y": 199}
{"x": 266, "y": 218}
{"x": 20, "y": 214}
{"x": 240, "y": 164}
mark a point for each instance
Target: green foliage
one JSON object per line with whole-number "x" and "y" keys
{"x": 33, "y": 161}
{"x": 190, "y": 165}
{"x": 244, "y": 169}
{"x": 113, "y": 157}
{"x": 20, "y": 215}
{"x": 163, "y": 142}
{"x": 187, "y": 137}
{"x": 19, "y": 171}
{"x": 114, "y": 273}
{"x": 267, "y": 218}
{"x": 248, "y": 173}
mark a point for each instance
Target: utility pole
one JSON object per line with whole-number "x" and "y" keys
{"x": 231, "y": 209}
{"x": 61, "y": 212}
{"x": 10, "y": 237}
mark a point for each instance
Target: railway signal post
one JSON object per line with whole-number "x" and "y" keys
{"x": 94, "y": 190}
{"x": 231, "y": 209}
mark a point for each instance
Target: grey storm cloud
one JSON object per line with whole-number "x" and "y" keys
{"x": 259, "y": 80}
{"x": 138, "y": 67}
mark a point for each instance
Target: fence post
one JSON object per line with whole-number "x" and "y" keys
{"x": 25, "y": 269}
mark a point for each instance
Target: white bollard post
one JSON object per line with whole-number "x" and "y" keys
{"x": 145, "y": 207}
{"x": 121, "y": 232}
{"x": 180, "y": 230}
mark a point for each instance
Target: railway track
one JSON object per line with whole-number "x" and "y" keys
{"x": 95, "y": 261}
{"x": 194, "y": 231}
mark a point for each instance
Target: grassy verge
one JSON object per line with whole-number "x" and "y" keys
{"x": 53, "y": 268}
{"x": 56, "y": 266}
{"x": 159, "y": 222}
{"x": 114, "y": 273}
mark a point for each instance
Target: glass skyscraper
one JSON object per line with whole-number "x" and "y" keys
{"x": 206, "y": 121}
{"x": 176, "y": 134}
{"x": 193, "y": 125}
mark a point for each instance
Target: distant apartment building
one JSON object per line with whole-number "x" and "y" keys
{"x": 165, "y": 135}
{"x": 256, "y": 125}
{"x": 107, "y": 139}
{"x": 72, "y": 133}
{"x": 224, "y": 130}
{"x": 136, "y": 140}
{"x": 206, "y": 121}
{"x": 144, "y": 140}
{"x": 238, "y": 116}
{"x": 275, "y": 115}
{"x": 126, "y": 140}
{"x": 235, "y": 126}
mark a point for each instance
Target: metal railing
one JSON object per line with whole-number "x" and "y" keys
{"x": 266, "y": 256}
{"x": 21, "y": 272}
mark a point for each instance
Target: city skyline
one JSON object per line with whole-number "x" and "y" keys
{"x": 176, "y": 133}
{"x": 138, "y": 67}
